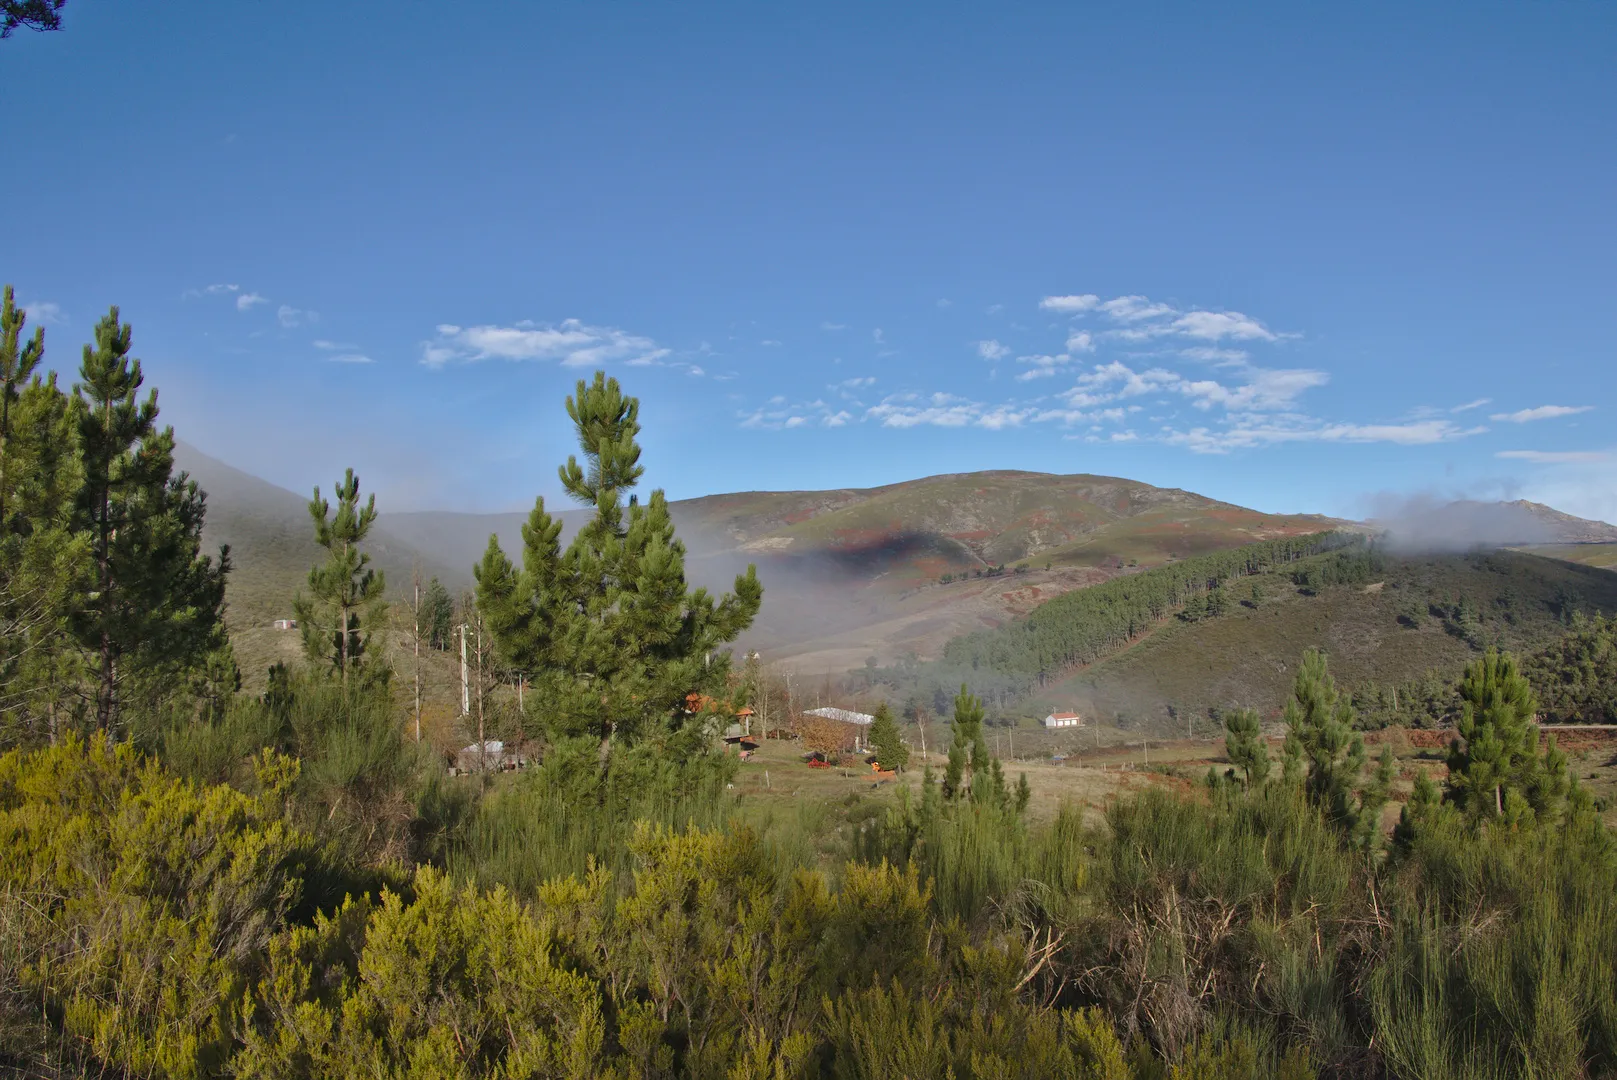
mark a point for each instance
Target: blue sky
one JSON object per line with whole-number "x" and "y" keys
{"x": 1290, "y": 256}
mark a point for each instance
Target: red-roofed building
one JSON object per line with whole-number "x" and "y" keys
{"x": 1063, "y": 719}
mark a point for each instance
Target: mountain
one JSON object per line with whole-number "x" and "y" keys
{"x": 1425, "y": 525}
{"x": 848, "y": 573}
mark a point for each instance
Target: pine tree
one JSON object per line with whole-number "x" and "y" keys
{"x": 1245, "y": 747}
{"x": 437, "y": 615}
{"x": 346, "y": 594}
{"x": 1495, "y": 759}
{"x": 607, "y": 630}
{"x": 1321, "y": 744}
{"x": 18, "y": 359}
{"x": 157, "y": 605}
{"x": 891, "y": 753}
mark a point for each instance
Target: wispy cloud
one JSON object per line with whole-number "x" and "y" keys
{"x": 1070, "y": 305}
{"x": 778, "y": 415}
{"x": 220, "y": 289}
{"x": 1468, "y": 406}
{"x": 334, "y": 346}
{"x": 291, "y": 316}
{"x": 1542, "y": 412}
{"x": 833, "y": 326}
{"x": 770, "y": 342}
{"x": 351, "y": 358}
{"x": 571, "y": 343}
{"x": 248, "y": 300}
{"x": 1248, "y": 433}
{"x": 43, "y": 313}
{"x": 1554, "y": 457}
{"x": 878, "y": 337}
{"x": 992, "y": 350}
{"x": 1142, "y": 319}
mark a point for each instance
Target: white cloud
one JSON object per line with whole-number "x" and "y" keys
{"x": 351, "y": 358}
{"x": 1043, "y": 365}
{"x": 1543, "y": 412}
{"x": 995, "y": 309}
{"x": 220, "y": 289}
{"x": 854, "y": 384}
{"x": 43, "y": 313}
{"x": 291, "y": 316}
{"x": 945, "y": 304}
{"x": 1080, "y": 341}
{"x": 837, "y": 419}
{"x": 572, "y": 344}
{"x": 992, "y": 350}
{"x": 1213, "y": 354}
{"x": 247, "y": 300}
{"x": 1145, "y": 319}
{"x": 876, "y": 336}
{"x": 695, "y": 371}
{"x": 1252, "y": 433}
{"x": 1218, "y": 325}
{"x": 1135, "y": 308}
{"x": 333, "y": 346}
{"x": 833, "y": 326}
{"x": 1070, "y": 305}
{"x": 771, "y": 342}
{"x": 1468, "y": 406}
{"x": 1555, "y": 457}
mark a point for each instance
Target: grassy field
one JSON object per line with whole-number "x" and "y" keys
{"x": 1601, "y": 555}
{"x": 776, "y": 782}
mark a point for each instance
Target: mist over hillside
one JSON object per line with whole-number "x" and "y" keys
{"x": 889, "y": 572}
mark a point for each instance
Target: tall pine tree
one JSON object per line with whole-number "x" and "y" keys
{"x": 1495, "y": 766}
{"x": 345, "y": 592}
{"x": 608, "y": 632}
{"x": 43, "y": 564}
{"x": 157, "y": 604}
{"x": 18, "y": 359}
{"x": 1321, "y": 748}
{"x": 891, "y": 753}
{"x": 1245, "y": 747}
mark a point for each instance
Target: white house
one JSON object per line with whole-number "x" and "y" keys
{"x": 286, "y": 624}
{"x": 847, "y": 717}
{"x": 1063, "y": 719}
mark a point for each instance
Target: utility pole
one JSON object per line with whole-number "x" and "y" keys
{"x": 482, "y": 739}
{"x": 415, "y": 611}
{"x": 465, "y": 679}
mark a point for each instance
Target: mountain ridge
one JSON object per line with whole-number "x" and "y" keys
{"x": 887, "y": 571}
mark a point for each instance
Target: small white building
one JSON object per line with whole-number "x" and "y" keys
{"x": 286, "y": 624}
{"x": 859, "y": 721}
{"x": 1063, "y": 719}
{"x": 489, "y": 756}
{"x": 844, "y": 715}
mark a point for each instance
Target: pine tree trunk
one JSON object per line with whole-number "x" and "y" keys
{"x": 5, "y": 441}
{"x": 103, "y": 704}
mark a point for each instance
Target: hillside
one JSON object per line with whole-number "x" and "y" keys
{"x": 1389, "y": 631}
{"x": 1423, "y": 525}
{"x": 847, "y": 573}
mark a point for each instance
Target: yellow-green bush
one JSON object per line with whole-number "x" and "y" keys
{"x": 138, "y": 906}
